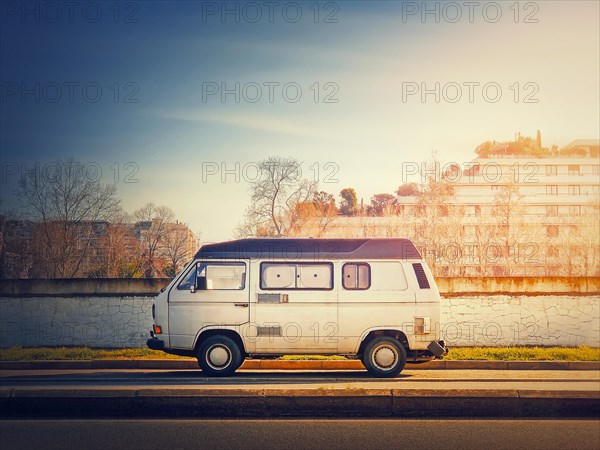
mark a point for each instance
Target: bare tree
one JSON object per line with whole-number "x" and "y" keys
{"x": 324, "y": 204}
{"x": 175, "y": 248}
{"x": 433, "y": 211}
{"x": 151, "y": 225}
{"x": 274, "y": 198}
{"x": 510, "y": 231}
{"x": 65, "y": 200}
{"x": 580, "y": 242}
{"x": 123, "y": 250}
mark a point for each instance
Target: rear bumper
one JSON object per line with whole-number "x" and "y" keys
{"x": 438, "y": 348}
{"x": 155, "y": 344}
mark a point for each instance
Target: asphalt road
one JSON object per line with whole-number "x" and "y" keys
{"x": 304, "y": 434}
{"x": 571, "y": 380}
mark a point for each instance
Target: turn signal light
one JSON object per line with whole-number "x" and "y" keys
{"x": 157, "y": 329}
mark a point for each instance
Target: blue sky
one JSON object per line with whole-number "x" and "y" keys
{"x": 171, "y": 51}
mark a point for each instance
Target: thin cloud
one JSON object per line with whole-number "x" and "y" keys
{"x": 251, "y": 121}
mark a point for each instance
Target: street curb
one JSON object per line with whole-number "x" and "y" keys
{"x": 266, "y": 364}
{"x": 289, "y": 403}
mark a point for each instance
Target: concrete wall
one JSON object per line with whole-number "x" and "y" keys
{"x": 87, "y": 321}
{"x": 447, "y": 286}
{"x": 562, "y": 320}
{"x": 561, "y": 312}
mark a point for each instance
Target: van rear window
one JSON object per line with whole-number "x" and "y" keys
{"x": 296, "y": 276}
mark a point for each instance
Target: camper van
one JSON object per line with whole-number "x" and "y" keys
{"x": 373, "y": 299}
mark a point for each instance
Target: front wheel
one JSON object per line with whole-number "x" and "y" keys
{"x": 384, "y": 357}
{"x": 219, "y": 356}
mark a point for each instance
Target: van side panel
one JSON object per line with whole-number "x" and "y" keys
{"x": 427, "y": 306}
{"x": 389, "y": 303}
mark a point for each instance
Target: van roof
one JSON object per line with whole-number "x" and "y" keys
{"x": 311, "y": 249}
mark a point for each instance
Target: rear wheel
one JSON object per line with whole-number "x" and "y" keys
{"x": 384, "y": 357}
{"x": 219, "y": 356}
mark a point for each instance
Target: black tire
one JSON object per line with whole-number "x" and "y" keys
{"x": 219, "y": 356}
{"x": 384, "y": 357}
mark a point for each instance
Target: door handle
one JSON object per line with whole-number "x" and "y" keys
{"x": 243, "y": 305}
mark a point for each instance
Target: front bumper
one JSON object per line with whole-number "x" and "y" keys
{"x": 155, "y": 344}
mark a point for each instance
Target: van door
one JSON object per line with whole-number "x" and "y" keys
{"x": 212, "y": 294}
{"x": 295, "y": 308}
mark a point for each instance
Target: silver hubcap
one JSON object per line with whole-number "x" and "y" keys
{"x": 385, "y": 357}
{"x": 218, "y": 356}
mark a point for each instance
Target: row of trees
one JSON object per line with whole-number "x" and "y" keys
{"x": 521, "y": 146}
{"x": 70, "y": 225}
{"x": 282, "y": 205}
{"x": 499, "y": 239}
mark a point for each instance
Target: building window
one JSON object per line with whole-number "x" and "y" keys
{"x": 496, "y": 187}
{"x": 596, "y": 170}
{"x": 551, "y": 170}
{"x": 575, "y": 210}
{"x": 356, "y": 276}
{"x": 596, "y": 189}
{"x": 552, "y": 231}
{"x": 574, "y": 169}
{"x": 551, "y": 190}
{"x": 551, "y": 210}
{"x": 553, "y": 251}
{"x": 296, "y": 276}
{"x": 473, "y": 210}
{"x": 574, "y": 190}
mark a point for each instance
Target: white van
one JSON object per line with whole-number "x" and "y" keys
{"x": 373, "y": 299}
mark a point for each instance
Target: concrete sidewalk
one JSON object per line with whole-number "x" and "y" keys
{"x": 274, "y": 364}
{"x": 310, "y": 393}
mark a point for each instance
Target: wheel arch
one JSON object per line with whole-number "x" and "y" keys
{"x": 234, "y": 335}
{"x": 396, "y": 334}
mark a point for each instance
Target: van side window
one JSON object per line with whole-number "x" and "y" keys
{"x": 356, "y": 276}
{"x": 215, "y": 276}
{"x": 296, "y": 276}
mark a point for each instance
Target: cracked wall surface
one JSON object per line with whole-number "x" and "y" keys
{"x": 521, "y": 320}
{"x": 85, "y": 321}
{"x": 490, "y": 320}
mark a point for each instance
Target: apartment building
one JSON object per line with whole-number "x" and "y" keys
{"x": 555, "y": 205}
{"x": 509, "y": 216}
